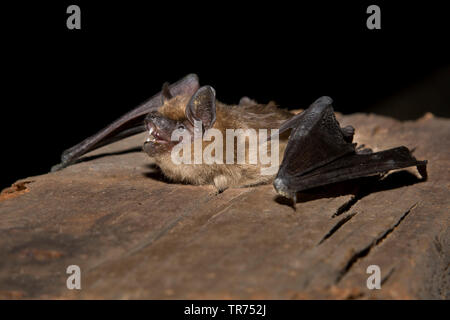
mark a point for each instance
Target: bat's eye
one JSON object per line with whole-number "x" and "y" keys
{"x": 181, "y": 127}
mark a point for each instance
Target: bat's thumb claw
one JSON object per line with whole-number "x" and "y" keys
{"x": 283, "y": 190}
{"x": 57, "y": 167}
{"x": 280, "y": 186}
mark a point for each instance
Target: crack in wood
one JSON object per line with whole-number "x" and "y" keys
{"x": 364, "y": 252}
{"x": 345, "y": 207}
{"x": 376, "y": 183}
{"x": 386, "y": 278}
{"x": 361, "y": 193}
{"x": 337, "y": 226}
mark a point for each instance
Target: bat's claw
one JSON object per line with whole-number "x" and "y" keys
{"x": 57, "y": 167}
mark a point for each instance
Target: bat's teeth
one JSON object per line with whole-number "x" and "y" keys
{"x": 150, "y": 138}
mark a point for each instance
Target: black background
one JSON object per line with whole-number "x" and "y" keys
{"x": 62, "y": 85}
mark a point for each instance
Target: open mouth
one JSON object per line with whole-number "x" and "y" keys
{"x": 154, "y": 135}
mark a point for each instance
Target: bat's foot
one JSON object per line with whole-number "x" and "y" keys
{"x": 221, "y": 183}
{"x": 361, "y": 149}
{"x": 348, "y": 132}
{"x": 216, "y": 191}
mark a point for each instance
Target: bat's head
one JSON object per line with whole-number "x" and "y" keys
{"x": 179, "y": 113}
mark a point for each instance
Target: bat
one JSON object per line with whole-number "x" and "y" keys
{"x": 130, "y": 123}
{"x": 314, "y": 149}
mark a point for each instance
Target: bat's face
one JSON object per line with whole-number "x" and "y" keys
{"x": 178, "y": 115}
{"x": 160, "y": 129}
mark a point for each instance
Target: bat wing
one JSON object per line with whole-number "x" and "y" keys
{"x": 129, "y": 124}
{"x": 320, "y": 152}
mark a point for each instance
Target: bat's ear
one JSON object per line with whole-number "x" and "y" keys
{"x": 202, "y": 107}
{"x": 186, "y": 86}
{"x": 165, "y": 93}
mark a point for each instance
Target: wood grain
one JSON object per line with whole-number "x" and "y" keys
{"x": 137, "y": 236}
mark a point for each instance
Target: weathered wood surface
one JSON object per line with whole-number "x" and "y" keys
{"x": 135, "y": 235}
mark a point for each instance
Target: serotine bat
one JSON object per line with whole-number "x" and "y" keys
{"x": 313, "y": 148}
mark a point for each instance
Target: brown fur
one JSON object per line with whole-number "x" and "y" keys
{"x": 243, "y": 116}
